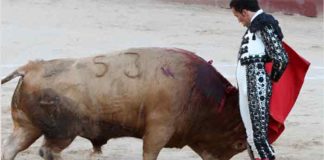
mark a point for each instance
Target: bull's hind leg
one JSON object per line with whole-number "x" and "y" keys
{"x": 24, "y": 134}
{"x": 18, "y": 141}
{"x": 51, "y": 148}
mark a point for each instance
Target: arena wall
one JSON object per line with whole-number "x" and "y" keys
{"x": 310, "y": 8}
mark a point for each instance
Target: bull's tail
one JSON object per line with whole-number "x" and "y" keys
{"x": 16, "y": 73}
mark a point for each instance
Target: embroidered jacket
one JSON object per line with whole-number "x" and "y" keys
{"x": 262, "y": 42}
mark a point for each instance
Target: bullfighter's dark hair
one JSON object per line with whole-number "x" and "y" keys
{"x": 250, "y": 5}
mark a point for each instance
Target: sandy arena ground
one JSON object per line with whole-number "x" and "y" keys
{"x": 47, "y": 29}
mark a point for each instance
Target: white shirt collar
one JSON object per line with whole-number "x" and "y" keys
{"x": 256, "y": 14}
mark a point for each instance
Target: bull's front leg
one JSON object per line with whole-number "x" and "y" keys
{"x": 97, "y": 143}
{"x": 155, "y": 138}
{"x": 159, "y": 129}
{"x": 205, "y": 155}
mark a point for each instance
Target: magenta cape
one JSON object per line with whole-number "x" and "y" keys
{"x": 285, "y": 91}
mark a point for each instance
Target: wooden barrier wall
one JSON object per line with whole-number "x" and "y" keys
{"x": 310, "y": 8}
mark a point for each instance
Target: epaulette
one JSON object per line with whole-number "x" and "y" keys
{"x": 263, "y": 20}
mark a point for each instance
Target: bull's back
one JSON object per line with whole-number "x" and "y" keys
{"x": 120, "y": 88}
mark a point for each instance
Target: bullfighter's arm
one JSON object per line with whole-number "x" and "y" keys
{"x": 275, "y": 51}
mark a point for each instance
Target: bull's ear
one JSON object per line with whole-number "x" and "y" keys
{"x": 239, "y": 145}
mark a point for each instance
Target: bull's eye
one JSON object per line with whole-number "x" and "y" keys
{"x": 239, "y": 145}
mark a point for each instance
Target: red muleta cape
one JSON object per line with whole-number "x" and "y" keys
{"x": 285, "y": 91}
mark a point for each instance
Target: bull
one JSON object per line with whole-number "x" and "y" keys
{"x": 167, "y": 97}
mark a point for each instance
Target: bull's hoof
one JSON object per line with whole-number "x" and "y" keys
{"x": 46, "y": 154}
{"x": 96, "y": 155}
{"x": 41, "y": 153}
{"x": 96, "y": 152}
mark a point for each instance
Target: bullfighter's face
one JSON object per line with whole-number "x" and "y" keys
{"x": 243, "y": 17}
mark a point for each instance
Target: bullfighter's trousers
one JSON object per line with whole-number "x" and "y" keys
{"x": 254, "y": 96}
